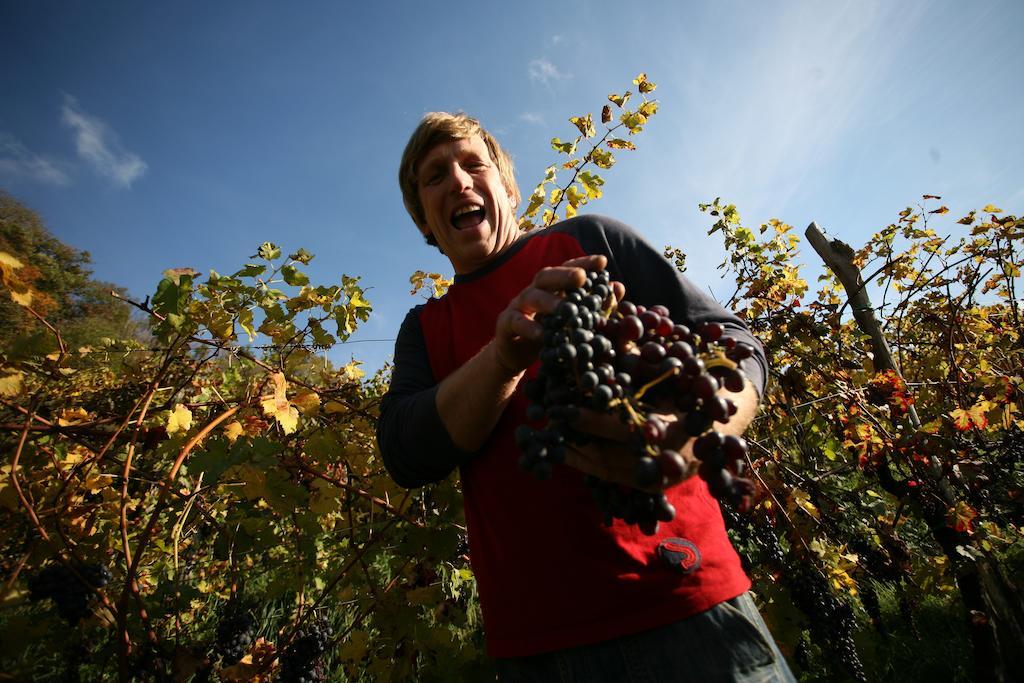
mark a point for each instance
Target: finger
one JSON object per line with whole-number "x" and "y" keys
{"x": 590, "y": 262}
{"x": 559, "y": 278}
{"x": 603, "y": 425}
{"x": 604, "y": 461}
{"x": 514, "y": 324}
{"x": 618, "y": 290}
{"x": 535, "y": 300}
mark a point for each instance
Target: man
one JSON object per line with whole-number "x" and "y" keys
{"x": 563, "y": 596}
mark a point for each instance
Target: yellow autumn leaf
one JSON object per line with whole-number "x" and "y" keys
{"x": 278, "y": 407}
{"x": 992, "y": 208}
{"x": 307, "y": 401}
{"x": 801, "y": 500}
{"x": 10, "y": 384}
{"x": 620, "y": 100}
{"x": 619, "y": 143}
{"x": 8, "y": 261}
{"x": 22, "y": 298}
{"x": 179, "y": 420}
{"x": 233, "y": 430}
{"x": 333, "y": 407}
{"x": 70, "y": 416}
{"x": 352, "y": 371}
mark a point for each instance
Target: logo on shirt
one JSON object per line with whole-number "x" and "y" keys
{"x": 680, "y": 554}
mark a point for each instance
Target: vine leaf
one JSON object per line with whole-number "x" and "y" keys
{"x": 278, "y": 407}
{"x": 179, "y": 420}
{"x": 233, "y": 430}
{"x": 10, "y": 384}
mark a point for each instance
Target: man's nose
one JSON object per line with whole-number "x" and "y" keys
{"x": 461, "y": 180}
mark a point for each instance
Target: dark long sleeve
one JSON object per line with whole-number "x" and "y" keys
{"x": 413, "y": 441}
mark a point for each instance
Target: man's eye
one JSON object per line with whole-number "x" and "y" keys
{"x": 433, "y": 179}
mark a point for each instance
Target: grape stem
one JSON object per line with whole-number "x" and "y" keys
{"x": 657, "y": 380}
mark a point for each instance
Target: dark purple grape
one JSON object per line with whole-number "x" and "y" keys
{"x": 652, "y": 352}
{"x": 680, "y": 350}
{"x": 673, "y": 466}
{"x": 734, "y": 380}
{"x": 650, "y": 320}
{"x": 717, "y": 409}
{"x": 646, "y": 472}
{"x": 630, "y": 328}
{"x": 705, "y": 386}
{"x": 711, "y": 332}
{"x": 735, "y": 447}
{"x": 742, "y": 351}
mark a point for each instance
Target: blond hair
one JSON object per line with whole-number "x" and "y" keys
{"x": 437, "y": 127}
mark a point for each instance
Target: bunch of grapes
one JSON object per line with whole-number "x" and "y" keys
{"x": 73, "y": 594}
{"x": 634, "y": 362}
{"x": 302, "y": 661}
{"x": 235, "y": 631}
{"x": 832, "y": 621}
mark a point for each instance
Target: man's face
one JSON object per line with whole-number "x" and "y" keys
{"x": 466, "y": 206}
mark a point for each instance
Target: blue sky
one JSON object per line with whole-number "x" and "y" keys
{"x": 160, "y": 135}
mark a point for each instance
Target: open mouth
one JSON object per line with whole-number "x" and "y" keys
{"x": 468, "y": 216}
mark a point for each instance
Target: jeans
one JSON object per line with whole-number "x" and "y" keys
{"x": 728, "y": 642}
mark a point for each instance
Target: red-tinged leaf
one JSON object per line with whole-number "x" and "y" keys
{"x": 606, "y": 113}
{"x": 961, "y": 420}
{"x": 961, "y": 517}
{"x": 941, "y": 210}
{"x": 930, "y": 196}
{"x": 968, "y": 219}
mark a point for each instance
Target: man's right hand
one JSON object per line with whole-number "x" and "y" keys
{"x": 471, "y": 399}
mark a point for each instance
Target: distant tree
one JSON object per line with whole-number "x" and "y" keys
{"x": 63, "y": 289}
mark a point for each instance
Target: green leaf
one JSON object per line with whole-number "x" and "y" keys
{"x": 648, "y": 108}
{"x": 293, "y": 276}
{"x": 172, "y": 295}
{"x": 250, "y": 270}
{"x": 302, "y": 256}
{"x": 602, "y": 158}
{"x": 245, "y": 322}
{"x": 593, "y": 183}
{"x": 563, "y": 147}
{"x": 634, "y": 121}
{"x": 269, "y": 251}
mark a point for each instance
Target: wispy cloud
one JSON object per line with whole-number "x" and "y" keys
{"x": 532, "y": 117}
{"x": 99, "y": 145}
{"x": 18, "y": 160}
{"x": 791, "y": 108}
{"x": 544, "y": 71}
